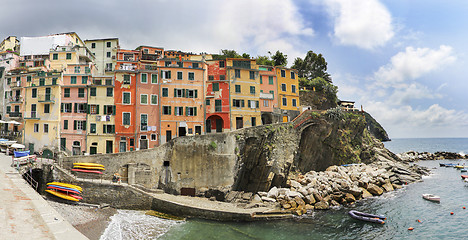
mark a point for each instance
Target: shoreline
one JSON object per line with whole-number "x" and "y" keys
{"x": 91, "y": 222}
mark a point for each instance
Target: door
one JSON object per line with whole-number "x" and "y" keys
{"x": 143, "y": 143}
{"x": 63, "y": 143}
{"x": 182, "y": 131}
{"x": 208, "y": 125}
{"x": 123, "y": 146}
{"x": 219, "y": 125}
{"x": 285, "y": 119}
{"x": 47, "y": 94}
{"x": 239, "y": 122}
{"x": 198, "y": 130}
{"x": 92, "y": 150}
{"x": 31, "y": 147}
{"x": 254, "y": 121}
{"x": 168, "y": 135}
{"x": 109, "y": 146}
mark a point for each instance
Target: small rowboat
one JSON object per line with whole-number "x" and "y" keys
{"x": 88, "y": 167}
{"x": 450, "y": 164}
{"x": 464, "y": 176}
{"x": 431, "y": 197}
{"x": 66, "y": 185}
{"x": 463, "y": 170}
{"x": 459, "y": 166}
{"x": 64, "y": 189}
{"x": 367, "y": 217}
{"x": 86, "y": 171}
{"x": 442, "y": 164}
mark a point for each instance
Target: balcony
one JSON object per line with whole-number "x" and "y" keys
{"x": 31, "y": 115}
{"x": 47, "y": 98}
{"x": 149, "y": 67}
{"x": 149, "y": 57}
{"x": 267, "y": 96}
{"x": 127, "y": 68}
{"x": 16, "y": 115}
{"x": 16, "y": 84}
{"x": 16, "y": 99}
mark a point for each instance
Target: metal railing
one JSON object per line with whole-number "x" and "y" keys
{"x": 28, "y": 177}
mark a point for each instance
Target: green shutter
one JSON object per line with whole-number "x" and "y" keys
{"x": 183, "y": 92}
{"x": 74, "y": 125}
{"x": 196, "y": 93}
{"x": 97, "y": 109}
{"x": 175, "y": 92}
{"x": 195, "y": 111}
{"x": 257, "y": 103}
{"x": 113, "y": 110}
{"x": 242, "y": 103}
{"x": 84, "y": 125}
{"x": 105, "y": 109}
{"x": 61, "y": 107}
{"x": 104, "y": 128}
{"x": 186, "y": 111}
{"x": 113, "y": 128}
{"x": 87, "y": 110}
{"x": 76, "y": 107}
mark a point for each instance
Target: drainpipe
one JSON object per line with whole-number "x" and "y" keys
{"x": 135, "y": 142}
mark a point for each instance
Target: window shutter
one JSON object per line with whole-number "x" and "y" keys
{"x": 87, "y": 110}
{"x": 233, "y": 102}
{"x": 195, "y": 111}
{"x": 97, "y": 109}
{"x": 257, "y": 104}
{"x": 175, "y": 92}
{"x": 242, "y": 103}
{"x": 84, "y": 125}
{"x": 113, "y": 110}
{"x": 76, "y": 107}
{"x": 104, "y": 128}
{"x": 196, "y": 93}
{"x": 113, "y": 128}
{"x": 186, "y": 111}
{"x": 61, "y": 107}
{"x": 74, "y": 125}
{"x": 105, "y": 109}
{"x": 185, "y": 93}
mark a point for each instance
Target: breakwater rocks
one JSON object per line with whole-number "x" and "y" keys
{"x": 412, "y": 156}
{"x": 337, "y": 185}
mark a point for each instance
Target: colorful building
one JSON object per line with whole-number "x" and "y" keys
{"x": 288, "y": 93}
{"x": 105, "y": 52}
{"x": 10, "y": 43}
{"x": 218, "y": 105}
{"x": 268, "y": 94}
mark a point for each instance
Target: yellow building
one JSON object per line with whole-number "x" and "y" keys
{"x": 244, "y": 89}
{"x": 288, "y": 93}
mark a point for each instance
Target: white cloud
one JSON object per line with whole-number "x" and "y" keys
{"x": 363, "y": 23}
{"x": 402, "y": 96}
{"x": 412, "y": 64}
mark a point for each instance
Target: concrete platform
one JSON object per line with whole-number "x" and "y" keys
{"x": 25, "y": 213}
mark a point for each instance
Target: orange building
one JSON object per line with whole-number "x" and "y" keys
{"x": 268, "y": 94}
{"x": 218, "y": 105}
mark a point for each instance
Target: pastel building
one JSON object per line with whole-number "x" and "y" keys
{"x": 218, "y": 105}
{"x": 10, "y": 43}
{"x": 268, "y": 94}
{"x": 8, "y": 62}
{"x": 105, "y": 52}
{"x": 288, "y": 93}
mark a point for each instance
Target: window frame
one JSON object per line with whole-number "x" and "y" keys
{"x": 129, "y": 94}
{"x": 124, "y": 114}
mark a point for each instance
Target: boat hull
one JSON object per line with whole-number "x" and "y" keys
{"x": 70, "y": 190}
{"x": 367, "y": 217}
{"x": 86, "y": 171}
{"x": 62, "y": 195}
{"x": 431, "y": 197}
{"x": 66, "y": 185}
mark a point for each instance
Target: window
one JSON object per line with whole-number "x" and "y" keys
{"x": 110, "y": 92}
{"x": 166, "y": 110}
{"x": 36, "y": 127}
{"x": 108, "y": 54}
{"x": 252, "y": 89}
{"x": 109, "y": 82}
{"x": 191, "y": 93}
{"x": 144, "y": 122}
{"x": 79, "y": 125}
{"x": 93, "y": 45}
{"x": 153, "y": 137}
{"x": 84, "y": 80}
{"x": 211, "y": 77}
{"x": 237, "y": 88}
{"x": 215, "y": 87}
{"x": 154, "y": 78}
{"x": 194, "y": 65}
{"x": 66, "y": 92}
{"x": 66, "y": 107}
{"x": 293, "y": 88}
{"x": 93, "y": 109}
{"x": 266, "y": 103}
{"x": 46, "y": 108}
{"x": 165, "y": 92}
{"x": 283, "y": 87}
{"x": 270, "y": 80}
{"x": 41, "y": 82}
{"x": 285, "y": 102}
{"x": 109, "y": 109}
{"x": 97, "y": 81}
{"x": 283, "y": 73}
{"x": 144, "y": 78}
{"x": 126, "y": 118}
{"x": 108, "y": 44}
{"x": 73, "y": 80}
{"x": 8, "y": 109}
{"x": 126, "y": 98}
{"x": 80, "y": 107}
{"x": 166, "y": 74}
{"x": 81, "y": 92}
{"x": 179, "y": 92}
{"x": 92, "y": 128}
{"x": 180, "y": 64}
{"x": 144, "y": 99}
{"x": 221, "y": 64}
{"x": 253, "y": 104}
{"x": 28, "y": 78}
{"x": 34, "y": 93}
{"x": 55, "y": 56}
{"x": 294, "y": 102}
{"x": 108, "y": 128}
{"x": 77, "y": 69}
{"x": 65, "y": 124}
{"x": 154, "y": 99}
{"x": 108, "y": 66}
{"x": 92, "y": 92}
{"x": 218, "y": 107}
{"x": 272, "y": 92}
{"x": 261, "y": 79}
{"x": 191, "y": 111}
{"x": 46, "y": 128}
{"x": 252, "y": 75}
{"x": 222, "y": 77}
{"x": 293, "y": 75}
{"x": 191, "y": 76}
{"x": 179, "y": 75}
{"x": 237, "y": 73}
{"x": 54, "y": 81}
{"x": 167, "y": 63}
{"x": 126, "y": 79}
{"x": 68, "y": 56}
{"x": 178, "y": 111}
{"x": 237, "y": 103}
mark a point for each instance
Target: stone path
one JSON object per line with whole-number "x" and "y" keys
{"x": 24, "y": 214}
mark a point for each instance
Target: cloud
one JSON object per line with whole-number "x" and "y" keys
{"x": 403, "y": 96}
{"x": 412, "y": 64}
{"x": 363, "y": 23}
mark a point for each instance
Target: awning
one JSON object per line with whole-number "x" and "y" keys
{"x": 17, "y": 145}
{"x": 14, "y": 122}
{"x": 1, "y": 121}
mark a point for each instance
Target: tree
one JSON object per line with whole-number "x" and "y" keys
{"x": 246, "y": 55}
{"x": 312, "y": 66}
{"x": 230, "y": 53}
{"x": 319, "y": 84}
{"x": 265, "y": 60}
{"x": 280, "y": 59}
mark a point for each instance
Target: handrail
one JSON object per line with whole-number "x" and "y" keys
{"x": 30, "y": 179}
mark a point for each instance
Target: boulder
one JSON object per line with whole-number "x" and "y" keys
{"x": 388, "y": 187}
{"x": 293, "y": 194}
{"x": 349, "y": 198}
{"x": 231, "y": 196}
{"x": 355, "y": 191}
{"x": 267, "y": 199}
{"x": 299, "y": 201}
{"x": 247, "y": 195}
{"x": 309, "y": 199}
{"x": 303, "y": 190}
{"x": 309, "y": 207}
{"x": 365, "y": 193}
{"x": 375, "y": 190}
{"x": 263, "y": 194}
{"x": 256, "y": 199}
{"x": 295, "y": 184}
{"x": 273, "y": 193}
{"x": 322, "y": 205}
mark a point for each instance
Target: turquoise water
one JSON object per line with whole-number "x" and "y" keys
{"x": 402, "y": 208}
{"x": 457, "y": 145}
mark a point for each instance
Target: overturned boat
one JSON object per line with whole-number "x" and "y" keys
{"x": 367, "y": 217}
{"x": 431, "y": 197}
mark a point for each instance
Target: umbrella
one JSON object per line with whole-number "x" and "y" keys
{"x": 17, "y": 145}
{"x": 14, "y": 122}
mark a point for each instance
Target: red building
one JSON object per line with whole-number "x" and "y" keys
{"x": 217, "y": 97}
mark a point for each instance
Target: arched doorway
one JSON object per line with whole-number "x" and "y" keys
{"x": 214, "y": 123}
{"x": 267, "y": 118}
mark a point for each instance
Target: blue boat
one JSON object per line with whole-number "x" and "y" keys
{"x": 367, "y": 217}
{"x": 450, "y": 164}
{"x": 21, "y": 153}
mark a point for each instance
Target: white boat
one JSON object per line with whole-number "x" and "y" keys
{"x": 431, "y": 197}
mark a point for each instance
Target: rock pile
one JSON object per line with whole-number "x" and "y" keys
{"x": 412, "y": 156}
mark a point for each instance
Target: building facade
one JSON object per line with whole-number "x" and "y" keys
{"x": 288, "y": 93}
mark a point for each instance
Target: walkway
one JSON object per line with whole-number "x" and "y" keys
{"x": 24, "y": 213}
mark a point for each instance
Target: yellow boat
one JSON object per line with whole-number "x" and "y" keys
{"x": 62, "y": 195}
{"x": 89, "y": 167}
{"x": 459, "y": 166}
{"x": 88, "y": 164}
{"x": 66, "y": 185}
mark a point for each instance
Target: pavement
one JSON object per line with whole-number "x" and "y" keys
{"x": 24, "y": 214}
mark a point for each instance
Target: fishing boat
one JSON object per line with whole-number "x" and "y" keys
{"x": 367, "y": 217}
{"x": 62, "y": 195}
{"x": 463, "y": 170}
{"x": 431, "y": 197}
{"x": 442, "y": 164}
{"x": 459, "y": 166}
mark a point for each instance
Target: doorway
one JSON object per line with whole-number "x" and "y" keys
{"x": 168, "y": 135}
{"x": 182, "y": 131}
{"x": 143, "y": 142}
{"x": 219, "y": 125}
{"x": 239, "y": 122}
{"x": 208, "y": 126}
{"x": 109, "y": 146}
{"x": 123, "y": 146}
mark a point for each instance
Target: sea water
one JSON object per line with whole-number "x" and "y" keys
{"x": 403, "y": 208}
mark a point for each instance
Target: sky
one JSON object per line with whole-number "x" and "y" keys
{"x": 403, "y": 61}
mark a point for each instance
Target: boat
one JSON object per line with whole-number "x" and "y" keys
{"x": 76, "y": 196}
{"x": 463, "y": 170}
{"x": 21, "y": 153}
{"x": 86, "y": 171}
{"x": 65, "y": 189}
{"x": 66, "y": 185}
{"x": 62, "y": 195}
{"x": 450, "y": 164}
{"x": 442, "y": 164}
{"x": 89, "y": 167}
{"x": 367, "y": 217}
{"x": 459, "y": 166}
{"x": 431, "y": 197}
{"x": 88, "y": 164}
{"x": 464, "y": 176}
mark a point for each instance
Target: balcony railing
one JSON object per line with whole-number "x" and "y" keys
{"x": 149, "y": 57}
{"x": 46, "y": 98}
{"x": 16, "y": 114}
{"x": 16, "y": 99}
{"x": 15, "y": 84}
{"x": 267, "y": 96}
{"x": 31, "y": 115}
{"x": 127, "y": 67}
{"x": 150, "y": 67}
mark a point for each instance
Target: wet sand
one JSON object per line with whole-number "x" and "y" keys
{"x": 89, "y": 221}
